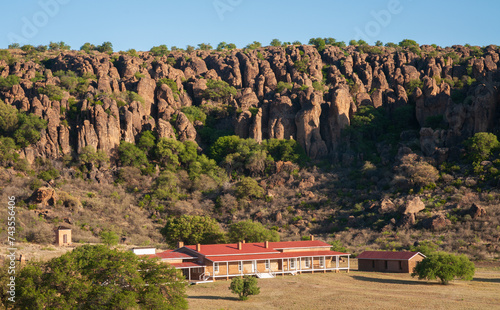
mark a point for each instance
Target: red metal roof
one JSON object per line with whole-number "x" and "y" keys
{"x": 255, "y": 248}
{"x": 171, "y": 254}
{"x": 388, "y": 255}
{"x": 186, "y": 265}
{"x": 279, "y": 255}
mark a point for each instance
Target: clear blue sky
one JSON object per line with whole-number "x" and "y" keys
{"x": 143, "y": 24}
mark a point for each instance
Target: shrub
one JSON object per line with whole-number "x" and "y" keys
{"x": 249, "y": 188}
{"x": 147, "y": 141}
{"x": 282, "y": 86}
{"x": 194, "y": 113}
{"x": 254, "y": 45}
{"x": 8, "y": 118}
{"x": 444, "y": 266}
{"x": 161, "y": 50}
{"x": 319, "y": 43}
{"x": 172, "y": 84}
{"x": 109, "y": 238}
{"x": 218, "y": 90}
{"x": 59, "y": 46}
{"x": 244, "y": 287}
{"x": 408, "y": 43}
{"x": 131, "y": 155}
{"x": 480, "y": 146}
{"x": 8, "y": 82}
{"x": 48, "y": 175}
{"x": 251, "y": 231}
{"x": 192, "y": 229}
{"x": 89, "y": 155}
{"x": 105, "y": 47}
{"x": 302, "y": 65}
{"x": 29, "y": 127}
{"x": 275, "y": 42}
{"x": 87, "y": 47}
{"x": 52, "y": 91}
{"x": 412, "y": 85}
{"x": 205, "y": 46}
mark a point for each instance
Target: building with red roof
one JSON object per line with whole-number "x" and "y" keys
{"x": 210, "y": 262}
{"x": 387, "y": 261}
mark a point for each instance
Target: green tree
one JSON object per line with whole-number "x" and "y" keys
{"x": 251, "y": 231}
{"x": 192, "y": 229}
{"x": 218, "y": 90}
{"x": 7, "y": 148}
{"x": 319, "y": 43}
{"x": 131, "y": 155}
{"x": 244, "y": 287}
{"x": 87, "y": 47}
{"x": 275, "y": 42}
{"x": 445, "y": 267}
{"x": 147, "y": 141}
{"x": 96, "y": 277}
{"x": 161, "y": 50}
{"x": 408, "y": 43}
{"x": 254, "y": 45}
{"x": 481, "y": 145}
{"x": 59, "y": 46}
{"x": 249, "y": 188}
{"x": 8, "y": 118}
{"x": 204, "y": 46}
{"x": 89, "y": 155}
{"x": 105, "y": 47}
{"x": 29, "y": 127}
{"x": 8, "y": 82}
{"x": 379, "y": 43}
{"x": 109, "y": 237}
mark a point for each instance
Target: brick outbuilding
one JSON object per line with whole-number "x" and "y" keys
{"x": 386, "y": 261}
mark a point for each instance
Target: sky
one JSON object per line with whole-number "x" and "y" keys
{"x": 143, "y": 24}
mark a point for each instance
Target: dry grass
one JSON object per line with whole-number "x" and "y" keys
{"x": 355, "y": 290}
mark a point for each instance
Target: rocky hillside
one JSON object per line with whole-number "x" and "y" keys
{"x": 382, "y": 129}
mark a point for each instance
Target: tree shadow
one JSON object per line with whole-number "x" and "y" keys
{"x": 486, "y": 280}
{"x": 390, "y": 281}
{"x": 214, "y": 298}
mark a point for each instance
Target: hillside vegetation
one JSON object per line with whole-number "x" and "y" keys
{"x": 375, "y": 147}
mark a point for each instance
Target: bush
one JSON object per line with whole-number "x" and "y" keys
{"x": 48, "y": 175}
{"x": 244, "y": 287}
{"x": 249, "y": 188}
{"x": 8, "y": 82}
{"x": 319, "y": 43}
{"x": 254, "y": 45}
{"x": 59, "y": 46}
{"x": 218, "y": 90}
{"x": 192, "y": 229}
{"x": 52, "y": 91}
{"x": 275, "y": 42}
{"x": 408, "y": 43}
{"x": 109, "y": 238}
{"x": 147, "y": 141}
{"x": 481, "y": 145}
{"x": 205, "y": 46}
{"x": 172, "y": 84}
{"x": 89, "y": 155}
{"x": 161, "y": 50}
{"x": 131, "y": 155}
{"x": 282, "y": 86}
{"x": 105, "y": 47}
{"x": 8, "y": 118}
{"x": 444, "y": 266}
{"x": 87, "y": 47}
{"x": 251, "y": 231}
{"x": 194, "y": 113}
{"x": 28, "y": 131}
{"x": 302, "y": 65}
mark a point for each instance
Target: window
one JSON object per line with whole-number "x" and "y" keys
{"x": 216, "y": 267}
{"x": 385, "y": 264}
{"x": 240, "y": 266}
{"x": 373, "y": 264}
{"x": 400, "y": 265}
{"x": 307, "y": 262}
{"x": 322, "y": 262}
{"x": 268, "y": 264}
{"x": 293, "y": 261}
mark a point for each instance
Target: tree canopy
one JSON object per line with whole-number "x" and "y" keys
{"x": 251, "y": 231}
{"x": 192, "y": 229}
{"x": 445, "y": 267}
{"x": 95, "y": 277}
{"x": 244, "y": 287}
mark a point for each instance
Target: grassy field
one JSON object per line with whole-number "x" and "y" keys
{"x": 355, "y": 290}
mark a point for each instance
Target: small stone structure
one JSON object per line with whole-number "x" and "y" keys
{"x": 63, "y": 236}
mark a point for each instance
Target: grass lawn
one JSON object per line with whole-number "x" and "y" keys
{"x": 355, "y": 290}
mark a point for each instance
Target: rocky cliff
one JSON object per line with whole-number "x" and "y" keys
{"x": 294, "y": 92}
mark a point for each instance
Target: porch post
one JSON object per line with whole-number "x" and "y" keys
{"x": 337, "y": 263}
{"x": 189, "y": 274}
{"x": 324, "y": 264}
{"x": 227, "y": 270}
{"x": 282, "y": 267}
{"x": 348, "y": 263}
{"x": 213, "y": 270}
{"x": 312, "y": 264}
{"x": 300, "y": 265}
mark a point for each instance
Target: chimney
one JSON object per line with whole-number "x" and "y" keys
{"x": 198, "y": 247}
{"x": 180, "y": 244}
{"x": 240, "y": 245}
{"x": 244, "y": 241}
{"x": 266, "y": 244}
{"x": 312, "y": 237}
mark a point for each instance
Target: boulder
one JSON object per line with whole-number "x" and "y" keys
{"x": 476, "y": 211}
{"x": 413, "y": 206}
{"x": 46, "y": 196}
